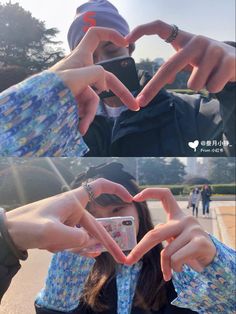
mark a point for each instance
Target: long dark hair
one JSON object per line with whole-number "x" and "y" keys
{"x": 151, "y": 289}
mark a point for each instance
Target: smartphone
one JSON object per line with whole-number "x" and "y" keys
{"x": 124, "y": 69}
{"x": 121, "y": 229}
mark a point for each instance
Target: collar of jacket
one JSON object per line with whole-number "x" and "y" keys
{"x": 149, "y": 116}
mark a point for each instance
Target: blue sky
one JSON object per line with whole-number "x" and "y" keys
{"x": 213, "y": 18}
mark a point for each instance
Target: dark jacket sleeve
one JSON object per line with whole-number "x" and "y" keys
{"x": 9, "y": 266}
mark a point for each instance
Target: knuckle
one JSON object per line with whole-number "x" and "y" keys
{"x": 92, "y": 30}
{"x": 100, "y": 69}
{"x": 167, "y": 191}
{"x": 101, "y": 181}
{"x": 212, "y": 87}
{"x": 174, "y": 261}
{"x": 216, "y": 51}
{"x": 200, "y": 242}
{"x": 153, "y": 235}
{"x": 189, "y": 220}
{"x": 200, "y": 40}
{"x": 195, "y": 229}
{"x": 229, "y": 63}
{"x": 165, "y": 254}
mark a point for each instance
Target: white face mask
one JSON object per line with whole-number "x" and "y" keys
{"x": 114, "y": 112}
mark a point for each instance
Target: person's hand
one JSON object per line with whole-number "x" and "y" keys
{"x": 212, "y": 63}
{"x": 80, "y": 82}
{"x": 188, "y": 243}
{"x": 50, "y": 224}
{"x": 86, "y": 80}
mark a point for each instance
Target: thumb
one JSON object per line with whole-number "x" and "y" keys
{"x": 88, "y": 102}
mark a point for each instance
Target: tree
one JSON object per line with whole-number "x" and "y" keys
{"x": 196, "y": 181}
{"x": 25, "y": 41}
{"x": 146, "y": 65}
{"x": 175, "y": 172}
{"x": 11, "y": 75}
{"x": 222, "y": 170}
{"x": 152, "y": 171}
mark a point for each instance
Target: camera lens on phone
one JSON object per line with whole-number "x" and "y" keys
{"x": 127, "y": 223}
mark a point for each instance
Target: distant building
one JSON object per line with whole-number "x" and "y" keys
{"x": 197, "y": 167}
{"x": 191, "y": 168}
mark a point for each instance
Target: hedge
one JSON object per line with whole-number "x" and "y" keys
{"x": 225, "y": 189}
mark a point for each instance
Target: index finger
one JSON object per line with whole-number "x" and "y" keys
{"x": 103, "y": 186}
{"x": 165, "y": 196}
{"x": 168, "y": 70}
{"x": 160, "y": 28}
{"x": 95, "y": 229}
{"x": 95, "y": 35}
{"x": 153, "y": 238}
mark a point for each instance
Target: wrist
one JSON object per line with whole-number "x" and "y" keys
{"x": 68, "y": 79}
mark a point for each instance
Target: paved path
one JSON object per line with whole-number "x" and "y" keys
{"x": 20, "y": 297}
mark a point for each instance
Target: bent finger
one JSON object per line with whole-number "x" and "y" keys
{"x": 103, "y": 186}
{"x": 95, "y": 35}
{"x": 170, "y": 250}
{"x": 165, "y": 196}
{"x": 185, "y": 256}
{"x": 221, "y": 76}
{"x": 162, "y": 29}
{"x": 96, "y": 230}
{"x": 88, "y": 103}
{"x": 151, "y": 239}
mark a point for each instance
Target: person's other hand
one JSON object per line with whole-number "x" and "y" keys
{"x": 212, "y": 62}
{"x": 86, "y": 80}
{"x": 81, "y": 82}
{"x": 50, "y": 224}
{"x": 187, "y": 242}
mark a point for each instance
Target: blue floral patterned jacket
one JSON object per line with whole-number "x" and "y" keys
{"x": 210, "y": 292}
{"x": 39, "y": 118}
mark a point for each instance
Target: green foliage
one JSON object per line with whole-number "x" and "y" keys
{"x": 175, "y": 189}
{"x": 161, "y": 171}
{"x": 11, "y": 75}
{"x": 197, "y": 181}
{"x": 222, "y": 170}
{"x": 56, "y": 166}
{"x": 146, "y": 65}
{"x": 25, "y": 41}
{"x": 221, "y": 189}
{"x": 224, "y": 189}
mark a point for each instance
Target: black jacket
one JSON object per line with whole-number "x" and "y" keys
{"x": 9, "y": 266}
{"x": 110, "y": 295}
{"x": 166, "y": 126}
